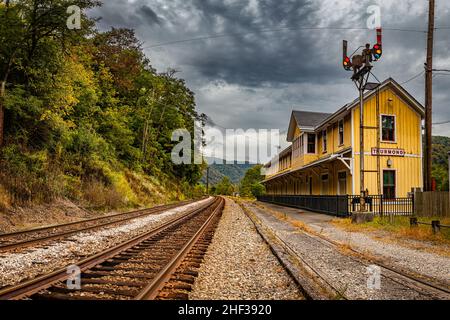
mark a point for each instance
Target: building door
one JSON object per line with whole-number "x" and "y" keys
{"x": 342, "y": 183}
{"x": 389, "y": 184}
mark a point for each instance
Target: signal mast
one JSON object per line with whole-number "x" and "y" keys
{"x": 361, "y": 66}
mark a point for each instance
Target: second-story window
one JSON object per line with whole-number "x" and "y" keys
{"x": 324, "y": 140}
{"x": 341, "y": 132}
{"x": 311, "y": 143}
{"x": 388, "y": 128}
{"x": 302, "y": 148}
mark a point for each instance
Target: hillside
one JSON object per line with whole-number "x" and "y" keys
{"x": 233, "y": 171}
{"x": 86, "y": 116}
{"x": 441, "y": 147}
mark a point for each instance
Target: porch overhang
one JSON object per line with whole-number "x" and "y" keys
{"x": 336, "y": 156}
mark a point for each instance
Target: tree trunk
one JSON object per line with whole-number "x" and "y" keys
{"x": 2, "y": 112}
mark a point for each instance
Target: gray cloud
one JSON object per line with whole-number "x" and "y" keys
{"x": 150, "y": 16}
{"x": 254, "y": 77}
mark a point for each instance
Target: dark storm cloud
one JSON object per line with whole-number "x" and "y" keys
{"x": 150, "y": 16}
{"x": 267, "y": 65}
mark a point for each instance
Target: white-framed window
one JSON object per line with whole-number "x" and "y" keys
{"x": 311, "y": 148}
{"x": 302, "y": 145}
{"x": 341, "y": 132}
{"x": 388, "y": 128}
{"x": 324, "y": 141}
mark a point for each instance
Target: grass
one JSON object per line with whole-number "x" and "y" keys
{"x": 399, "y": 227}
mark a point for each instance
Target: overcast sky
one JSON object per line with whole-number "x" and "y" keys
{"x": 267, "y": 66}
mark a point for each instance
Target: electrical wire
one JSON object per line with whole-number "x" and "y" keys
{"x": 223, "y": 35}
{"x": 413, "y": 78}
{"x": 443, "y": 122}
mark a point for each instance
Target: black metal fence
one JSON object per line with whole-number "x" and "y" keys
{"x": 381, "y": 206}
{"x": 343, "y": 206}
{"x": 334, "y": 205}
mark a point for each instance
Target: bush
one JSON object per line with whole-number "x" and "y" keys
{"x": 258, "y": 189}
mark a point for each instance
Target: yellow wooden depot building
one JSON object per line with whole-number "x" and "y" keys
{"x": 323, "y": 157}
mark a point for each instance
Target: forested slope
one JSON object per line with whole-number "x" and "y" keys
{"x": 86, "y": 117}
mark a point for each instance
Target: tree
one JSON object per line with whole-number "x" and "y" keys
{"x": 251, "y": 183}
{"x": 86, "y": 105}
{"x": 26, "y": 26}
{"x": 224, "y": 187}
{"x": 257, "y": 189}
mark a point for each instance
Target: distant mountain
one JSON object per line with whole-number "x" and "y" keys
{"x": 217, "y": 171}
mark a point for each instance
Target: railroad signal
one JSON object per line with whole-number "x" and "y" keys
{"x": 378, "y": 47}
{"x": 347, "y": 64}
{"x": 377, "y": 51}
{"x": 346, "y": 60}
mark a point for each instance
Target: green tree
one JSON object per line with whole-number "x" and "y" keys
{"x": 29, "y": 31}
{"x": 86, "y": 105}
{"x": 250, "y": 185}
{"x": 224, "y": 187}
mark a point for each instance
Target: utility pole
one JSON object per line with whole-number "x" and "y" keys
{"x": 429, "y": 98}
{"x": 361, "y": 145}
{"x": 207, "y": 180}
{"x": 361, "y": 66}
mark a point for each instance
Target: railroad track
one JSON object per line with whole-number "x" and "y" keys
{"x": 40, "y": 236}
{"x": 160, "y": 264}
{"x": 426, "y": 287}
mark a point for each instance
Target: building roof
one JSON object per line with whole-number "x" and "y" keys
{"x": 312, "y": 121}
{"x": 308, "y": 119}
{"x": 305, "y": 120}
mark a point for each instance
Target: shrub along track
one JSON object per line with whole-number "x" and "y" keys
{"x": 41, "y": 236}
{"x": 159, "y": 264}
{"x": 314, "y": 283}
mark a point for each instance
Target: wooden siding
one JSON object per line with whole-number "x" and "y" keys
{"x": 408, "y": 169}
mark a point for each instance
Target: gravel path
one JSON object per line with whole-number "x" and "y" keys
{"x": 16, "y": 267}
{"x": 349, "y": 276}
{"x": 420, "y": 262}
{"x": 240, "y": 266}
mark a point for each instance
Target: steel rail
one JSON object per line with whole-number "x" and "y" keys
{"x": 68, "y": 224}
{"x": 151, "y": 291}
{"x": 43, "y": 239}
{"x": 361, "y": 256}
{"x": 42, "y": 282}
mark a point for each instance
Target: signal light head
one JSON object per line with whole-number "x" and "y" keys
{"x": 347, "y": 63}
{"x": 377, "y": 51}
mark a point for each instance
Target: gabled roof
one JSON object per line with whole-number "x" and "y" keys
{"x": 311, "y": 121}
{"x": 305, "y": 120}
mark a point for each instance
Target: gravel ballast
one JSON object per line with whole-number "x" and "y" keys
{"x": 407, "y": 254}
{"x": 349, "y": 276}
{"x": 16, "y": 267}
{"x": 239, "y": 264}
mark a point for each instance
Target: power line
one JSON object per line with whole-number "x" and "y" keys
{"x": 443, "y": 122}
{"x": 223, "y": 35}
{"x": 413, "y": 78}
